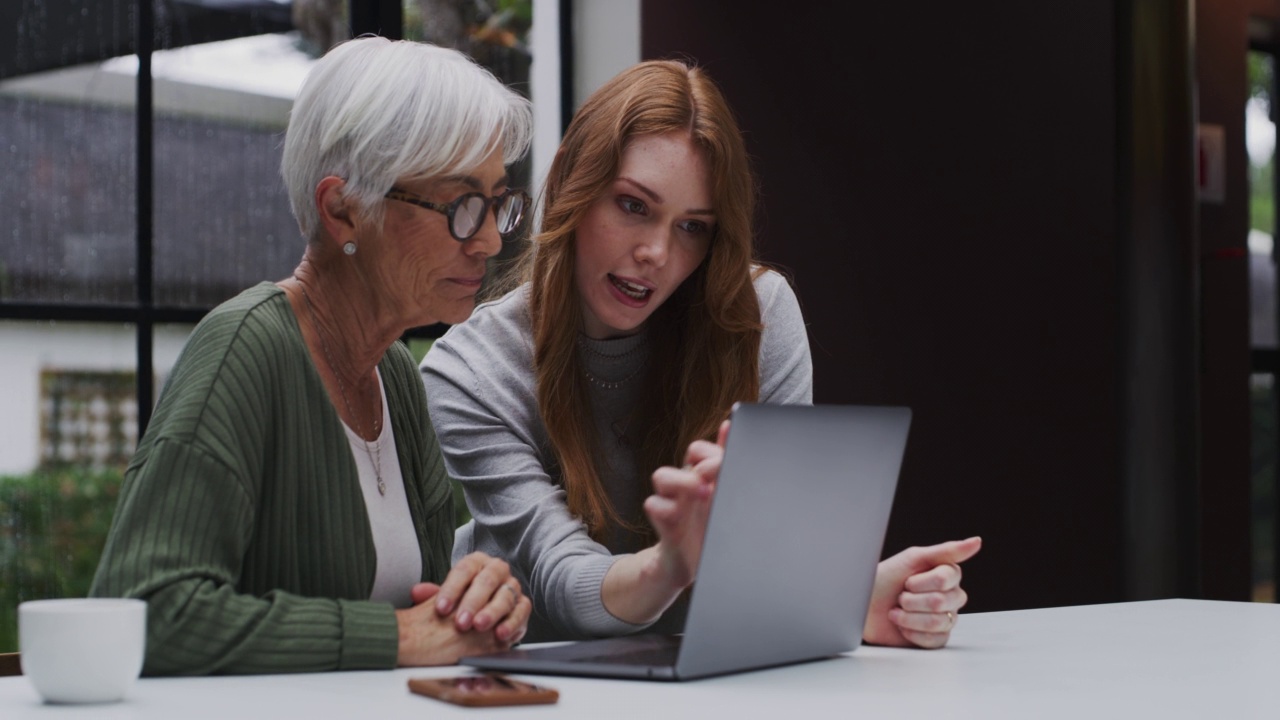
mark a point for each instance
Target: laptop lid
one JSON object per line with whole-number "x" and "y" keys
{"x": 795, "y": 533}
{"x": 789, "y": 558}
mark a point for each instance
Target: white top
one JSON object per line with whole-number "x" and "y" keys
{"x": 1167, "y": 659}
{"x": 394, "y": 539}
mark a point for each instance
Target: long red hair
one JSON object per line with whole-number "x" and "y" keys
{"x": 705, "y": 339}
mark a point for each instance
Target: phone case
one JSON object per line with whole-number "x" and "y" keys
{"x": 485, "y": 690}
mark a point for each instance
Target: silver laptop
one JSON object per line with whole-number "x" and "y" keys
{"x": 795, "y": 532}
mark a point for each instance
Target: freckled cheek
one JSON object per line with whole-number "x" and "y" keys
{"x": 583, "y": 273}
{"x": 590, "y": 236}
{"x": 590, "y": 255}
{"x": 692, "y": 258}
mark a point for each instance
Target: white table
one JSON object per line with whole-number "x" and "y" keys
{"x": 1160, "y": 659}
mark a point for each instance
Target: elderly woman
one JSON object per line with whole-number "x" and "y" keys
{"x": 641, "y": 319}
{"x": 289, "y": 496}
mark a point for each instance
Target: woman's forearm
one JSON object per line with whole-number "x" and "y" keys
{"x": 637, "y": 590}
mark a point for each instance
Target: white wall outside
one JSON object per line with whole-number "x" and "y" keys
{"x": 606, "y": 41}
{"x": 544, "y": 88}
{"x": 29, "y": 347}
{"x": 606, "y": 38}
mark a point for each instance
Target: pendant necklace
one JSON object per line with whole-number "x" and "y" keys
{"x": 619, "y": 427}
{"x": 342, "y": 391}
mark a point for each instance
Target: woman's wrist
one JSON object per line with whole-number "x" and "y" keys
{"x": 402, "y": 639}
{"x": 639, "y": 588}
{"x": 659, "y": 571}
{"x": 419, "y": 641}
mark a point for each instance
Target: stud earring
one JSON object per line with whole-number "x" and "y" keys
{"x": 349, "y": 248}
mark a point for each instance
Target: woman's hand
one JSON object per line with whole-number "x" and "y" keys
{"x": 680, "y": 505}
{"x": 481, "y": 595}
{"x": 917, "y": 594}
{"x": 427, "y": 638}
{"x": 638, "y": 588}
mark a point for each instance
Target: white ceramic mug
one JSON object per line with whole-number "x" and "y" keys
{"x": 82, "y": 650}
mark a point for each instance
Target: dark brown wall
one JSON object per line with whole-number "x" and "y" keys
{"x": 988, "y": 215}
{"x": 941, "y": 184}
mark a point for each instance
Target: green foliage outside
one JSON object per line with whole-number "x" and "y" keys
{"x": 1264, "y": 481}
{"x": 1261, "y": 77}
{"x": 521, "y": 11}
{"x": 1262, "y": 217}
{"x": 53, "y": 525}
{"x": 418, "y": 348}
{"x": 1262, "y": 204}
{"x": 507, "y": 17}
{"x": 1262, "y": 212}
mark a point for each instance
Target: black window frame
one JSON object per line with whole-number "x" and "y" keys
{"x": 381, "y": 17}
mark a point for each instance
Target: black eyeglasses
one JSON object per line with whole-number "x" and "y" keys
{"x": 466, "y": 214}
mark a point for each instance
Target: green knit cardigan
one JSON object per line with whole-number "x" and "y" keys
{"x": 241, "y": 521}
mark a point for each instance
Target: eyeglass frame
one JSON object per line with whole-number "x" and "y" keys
{"x": 491, "y": 202}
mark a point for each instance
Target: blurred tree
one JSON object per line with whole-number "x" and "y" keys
{"x": 53, "y": 524}
{"x": 1261, "y": 78}
{"x": 1261, "y": 67}
{"x": 466, "y": 25}
{"x": 443, "y": 22}
{"x": 322, "y": 23}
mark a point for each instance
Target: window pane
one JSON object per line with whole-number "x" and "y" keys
{"x": 68, "y": 142}
{"x": 1260, "y": 135}
{"x": 222, "y": 216}
{"x": 69, "y": 426}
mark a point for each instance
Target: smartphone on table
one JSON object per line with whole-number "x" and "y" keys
{"x": 487, "y": 690}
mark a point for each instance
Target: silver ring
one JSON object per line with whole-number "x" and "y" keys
{"x": 952, "y": 617}
{"x": 515, "y": 594}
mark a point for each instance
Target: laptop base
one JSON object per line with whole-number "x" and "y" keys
{"x": 636, "y": 657}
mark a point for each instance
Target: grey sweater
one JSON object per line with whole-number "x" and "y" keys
{"x": 480, "y": 390}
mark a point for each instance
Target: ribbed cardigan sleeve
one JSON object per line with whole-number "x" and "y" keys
{"x": 241, "y": 521}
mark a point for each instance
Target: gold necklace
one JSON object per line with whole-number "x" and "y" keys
{"x": 342, "y": 391}
{"x": 612, "y": 384}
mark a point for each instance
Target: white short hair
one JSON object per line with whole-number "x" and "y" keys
{"x": 374, "y": 111}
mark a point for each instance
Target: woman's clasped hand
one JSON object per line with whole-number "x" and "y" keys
{"x": 478, "y": 609}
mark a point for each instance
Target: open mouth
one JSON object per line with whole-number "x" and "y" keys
{"x": 631, "y": 290}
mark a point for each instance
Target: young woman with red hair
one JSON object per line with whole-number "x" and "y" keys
{"x": 639, "y": 318}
